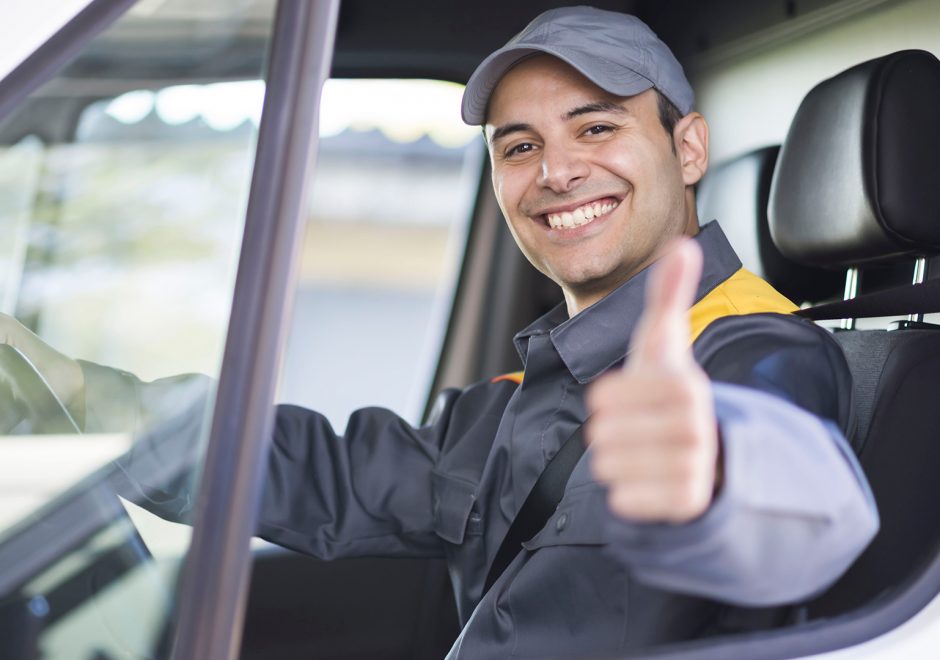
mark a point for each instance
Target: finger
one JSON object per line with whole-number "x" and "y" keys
{"x": 629, "y": 432}
{"x": 640, "y": 504}
{"x": 653, "y": 504}
{"x": 651, "y": 465}
{"x": 662, "y": 333}
{"x": 657, "y": 390}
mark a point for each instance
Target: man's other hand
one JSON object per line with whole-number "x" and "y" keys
{"x": 652, "y": 430}
{"x": 63, "y": 374}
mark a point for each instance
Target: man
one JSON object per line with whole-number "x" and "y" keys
{"x": 717, "y": 476}
{"x": 692, "y": 493}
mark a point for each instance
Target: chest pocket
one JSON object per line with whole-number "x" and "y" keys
{"x": 453, "y": 513}
{"x": 581, "y": 514}
{"x": 579, "y": 520}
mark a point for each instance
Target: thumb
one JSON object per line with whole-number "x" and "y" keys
{"x": 662, "y": 337}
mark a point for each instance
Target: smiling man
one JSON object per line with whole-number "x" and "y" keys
{"x": 717, "y": 480}
{"x": 717, "y": 475}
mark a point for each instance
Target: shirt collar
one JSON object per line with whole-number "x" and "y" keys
{"x": 592, "y": 341}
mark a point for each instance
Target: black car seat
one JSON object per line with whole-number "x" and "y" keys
{"x": 736, "y": 193}
{"x": 856, "y": 185}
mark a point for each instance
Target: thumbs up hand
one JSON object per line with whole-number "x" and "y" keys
{"x": 652, "y": 430}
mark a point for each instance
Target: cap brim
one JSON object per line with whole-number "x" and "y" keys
{"x": 612, "y": 78}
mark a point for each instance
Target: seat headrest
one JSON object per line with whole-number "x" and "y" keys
{"x": 736, "y": 193}
{"x": 858, "y": 177}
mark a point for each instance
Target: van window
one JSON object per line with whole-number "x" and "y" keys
{"x": 396, "y": 178}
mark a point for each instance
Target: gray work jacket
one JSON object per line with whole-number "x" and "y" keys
{"x": 793, "y": 511}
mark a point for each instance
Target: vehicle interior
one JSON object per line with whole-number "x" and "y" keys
{"x": 127, "y": 169}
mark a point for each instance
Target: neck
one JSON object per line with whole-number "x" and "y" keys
{"x": 577, "y": 303}
{"x": 580, "y": 300}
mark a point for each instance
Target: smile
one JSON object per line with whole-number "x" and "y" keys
{"x": 581, "y": 215}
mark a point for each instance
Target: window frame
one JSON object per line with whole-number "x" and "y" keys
{"x": 214, "y": 580}
{"x": 47, "y": 60}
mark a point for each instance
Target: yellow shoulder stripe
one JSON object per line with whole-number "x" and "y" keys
{"x": 742, "y": 293}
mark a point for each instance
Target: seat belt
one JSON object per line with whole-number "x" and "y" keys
{"x": 539, "y": 505}
{"x": 543, "y": 499}
{"x": 923, "y": 298}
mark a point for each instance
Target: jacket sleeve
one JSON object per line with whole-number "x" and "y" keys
{"x": 794, "y": 509}
{"x": 384, "y": 487}
{"x": 367, "y": 492}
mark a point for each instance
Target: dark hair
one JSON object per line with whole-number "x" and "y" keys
{"x": 669, "y": 115}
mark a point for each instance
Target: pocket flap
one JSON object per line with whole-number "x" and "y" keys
{"x": 453, "y": 501}
{"x": 580, "y": 519}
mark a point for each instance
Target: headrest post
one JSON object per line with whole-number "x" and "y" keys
{"x": 851, "y": 290}
{"x": 920, "y": 274}
{"x": 920, "y": 270}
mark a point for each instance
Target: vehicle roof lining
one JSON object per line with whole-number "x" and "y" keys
{"x": 433, "y": 42}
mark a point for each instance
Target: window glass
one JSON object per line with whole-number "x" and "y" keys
{"x": 123, "y": 190}
{"x": 20, "y": 166}
{"x": 396, "y": 177}
{"x": 175, "y": 162}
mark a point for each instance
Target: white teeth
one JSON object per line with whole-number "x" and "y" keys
{"x": 580, "y": 216}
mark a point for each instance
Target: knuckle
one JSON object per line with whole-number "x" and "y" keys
{"x": 604, "y": 391}
{"x": 685, "y": 433}
{"x": 686, "y": 467}
{"x": 620, "y": 502}
{"x": 602, "y": 467}
{"x": 591, "y": 431}
{"x": 594, "y": 395}
{"x": 686, "y": 498}
{"x": 693, "y": 432}
{"x": 683, "y": 392}
{"x": 600, "y": 430}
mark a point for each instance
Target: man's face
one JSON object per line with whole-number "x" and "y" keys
{"x": 589, "y": 182}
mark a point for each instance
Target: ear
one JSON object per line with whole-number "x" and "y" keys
{"x": 691, "y": 139}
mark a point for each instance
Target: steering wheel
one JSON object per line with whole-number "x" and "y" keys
{"x": 28, "y": 404}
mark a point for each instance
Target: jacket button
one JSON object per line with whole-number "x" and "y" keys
{"x": 561, "y": 522}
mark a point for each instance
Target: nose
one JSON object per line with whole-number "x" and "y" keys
{"x": 561, "y": 169}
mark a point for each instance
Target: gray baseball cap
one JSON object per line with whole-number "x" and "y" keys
{"x": 617, "y": 52}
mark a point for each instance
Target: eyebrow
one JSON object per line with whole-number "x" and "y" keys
{"x": 587, "y": 108}
{"x": 597, "y": 106}
{"x": 503, "y": 131}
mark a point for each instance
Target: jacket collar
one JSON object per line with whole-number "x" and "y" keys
{"x": 591, "y": 342}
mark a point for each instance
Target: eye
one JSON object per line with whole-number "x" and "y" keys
{"x": 598, "y": 129}
{"x": 519, "y": 149}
